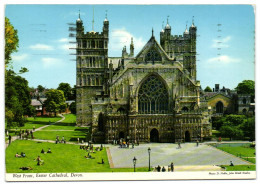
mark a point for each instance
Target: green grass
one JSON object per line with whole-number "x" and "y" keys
{"x": 239, "y": 150}
{"x": 240, "y": 168}
{"x": 36, "y": 122}
{"x": 68, "y": 124}
{"x": 51, "y": 135}
{"x": 66, "y": 128}
{"x": 64, "y": 158}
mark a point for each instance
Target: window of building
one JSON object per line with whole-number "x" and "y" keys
{"x": 153, "y": 96}
{"x": 153, "y": 55}
{"x": 219, "y": 107}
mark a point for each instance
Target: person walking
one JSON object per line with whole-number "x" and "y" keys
{"x": 10, "y": 139}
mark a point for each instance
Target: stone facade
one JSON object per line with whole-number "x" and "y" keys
{"x": 151, "y": 97}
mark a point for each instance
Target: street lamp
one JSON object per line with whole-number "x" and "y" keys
{"x": 149, "y": 152}
{"x": 134, "y": 161}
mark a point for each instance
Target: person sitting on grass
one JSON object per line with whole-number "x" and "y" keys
{"x": 22, "y": 154}
{"x": 49, "y": 151}
{"x": 17, "y": 155}
{"x": 26, "y": 168}
{"x": 102, "y": 161}
{"x": 42, "y": 151}
{"x": 231, "y": 163}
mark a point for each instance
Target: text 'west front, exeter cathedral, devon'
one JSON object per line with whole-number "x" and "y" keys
{"x": 153, "y": 96}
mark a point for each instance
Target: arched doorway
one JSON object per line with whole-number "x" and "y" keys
{"x": 187, "y": 136}
{"x": 154, "y": 135}
{"x": 219, "y": 107}
{"x": 121, "y": 135}
{"x": 185, "y": 109}
{"x": 100, "y": 122}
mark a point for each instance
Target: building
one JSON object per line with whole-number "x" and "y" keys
{"x": 153, "y": 96}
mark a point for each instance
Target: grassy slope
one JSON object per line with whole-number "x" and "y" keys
{"x": 66, "y": 128}
{"x": 65, "y": 158}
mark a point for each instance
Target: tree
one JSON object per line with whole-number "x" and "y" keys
{"x": 65, "y": 87}
{"x": 40, "y": 88}
{"x": 208, "y": 89}
{"x": 231, "y": 132}
{"x": 249, "y": 128}
{"x": 55, "y": 101}
{"x": 11, "y": 41}
{"x": 246, "y": 87}
{"x": 17, "y": 96}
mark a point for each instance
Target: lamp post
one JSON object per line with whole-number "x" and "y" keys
{"x": 134, "y": 161}
{"x": 149, "y": 152}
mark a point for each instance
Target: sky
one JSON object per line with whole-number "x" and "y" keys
{"x": 44, "y": 38}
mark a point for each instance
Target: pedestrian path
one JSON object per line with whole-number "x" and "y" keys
{"x": 40, "y": 128}
{"x": 164, "y": 153}
{"x": 192, "y": 168}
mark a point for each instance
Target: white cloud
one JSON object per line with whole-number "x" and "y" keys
{"x": 64, "y": 40}
{"x": 120, "y": 38}
{"x": 221, "y": 43}
{"x": 20, "y": 57}
{"x": 49, "y": 62}
{"x": 41, "y": 47}
{"x": 224, "y": 59}
{"x": 67, "y": 47}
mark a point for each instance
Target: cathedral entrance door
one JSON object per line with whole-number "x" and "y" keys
{"x": 121, "y": 135}
{"x": 154, "y": 135}
{"x": 187, "y": 136}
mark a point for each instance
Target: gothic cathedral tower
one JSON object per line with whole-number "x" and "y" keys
{"x": 92, "y": 68}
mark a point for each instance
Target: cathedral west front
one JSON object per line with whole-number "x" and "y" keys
{"x": 151, "y": 96}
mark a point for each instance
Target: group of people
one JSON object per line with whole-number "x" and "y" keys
{"x": 26, "y": 134}
{"x": 63, "y": 140}
{"x": 22, "y": 155}
{"x": 124, "y": 144}
{"x": 43, "y": 152}
{"x": 163, "y": 169}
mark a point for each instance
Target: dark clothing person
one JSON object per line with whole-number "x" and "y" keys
{"x": 172, "y": 167}
{"x": 163, "y": 169}
{"x": 102, "y": 161}
{"x": 42, "y": 151}
{"x": 158, "y": 168}
{"x": 231, "y": 163}
{"x": 10, "y": 139}
{"x": 49, "y": 151}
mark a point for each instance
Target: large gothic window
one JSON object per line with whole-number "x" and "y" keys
{"x": 153, "y": 97}
{"x": 153, "y": 55}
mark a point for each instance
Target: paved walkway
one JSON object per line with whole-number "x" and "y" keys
{"x": 163, "y": 154}
{"x": 37, "y": 129}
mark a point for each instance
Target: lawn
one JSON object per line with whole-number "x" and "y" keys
{"x": 64, "y": 158}
{"x": 37, "y": 122}
{"x": 240, "y": 168}
{"x": 242, "y": 150}
{"x": 66, "y": 128}
{"x": 68, "y": 124}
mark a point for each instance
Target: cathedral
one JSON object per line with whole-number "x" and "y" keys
{"x": 153, "y": 96}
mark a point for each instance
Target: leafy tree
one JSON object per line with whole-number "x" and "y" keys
{"x": 11, "y": 41}
{"x": 55, "y": 101}
{"x": 65, "y": 87}
{"x": 73, "y": 108}
{"x": 40, "y": 88}
{"x": 208, "y": 89}
{"x": 17, "y": 96}
{"x": 249, "y": 128}
{"x": 246, "y": 87}
{"x": 231, "y": 132}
